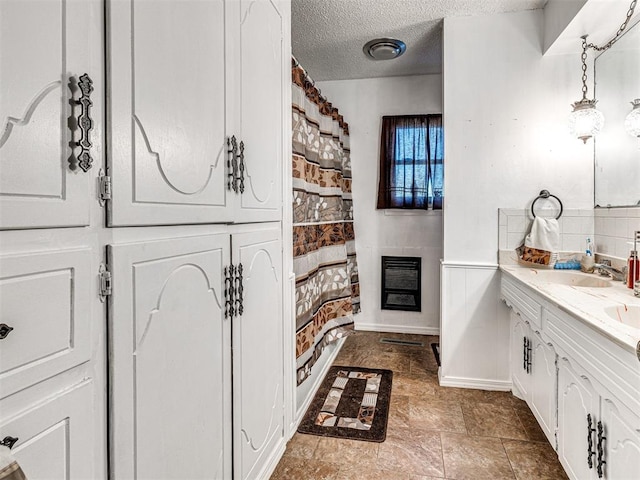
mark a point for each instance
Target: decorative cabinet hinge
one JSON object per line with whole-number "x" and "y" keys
{"x": 104, "y": 188}
{"x": 106, "y": 286}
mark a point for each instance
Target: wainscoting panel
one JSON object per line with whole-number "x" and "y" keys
{"x": 474, "y": 325}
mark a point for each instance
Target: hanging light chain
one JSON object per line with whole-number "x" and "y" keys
{"x": 584, "y": 68}
{"x": 608, "y": 45}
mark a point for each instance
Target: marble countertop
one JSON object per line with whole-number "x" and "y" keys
{"x": 592, "y": 305}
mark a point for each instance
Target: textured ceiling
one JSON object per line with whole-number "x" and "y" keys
{"x": 328, "y": 35}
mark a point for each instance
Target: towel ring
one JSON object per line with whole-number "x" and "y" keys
{"x": 546, "y": 194}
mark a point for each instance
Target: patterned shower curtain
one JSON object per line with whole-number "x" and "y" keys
{"x": 324, "y": 255}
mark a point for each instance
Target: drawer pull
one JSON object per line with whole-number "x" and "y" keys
{"x": 8, "y": 442}
{"x": 4, "y": 330}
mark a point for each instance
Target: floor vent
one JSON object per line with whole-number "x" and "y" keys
{"x": 395, "y": 341}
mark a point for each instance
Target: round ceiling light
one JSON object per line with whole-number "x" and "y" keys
{"x": 384, "y": 48}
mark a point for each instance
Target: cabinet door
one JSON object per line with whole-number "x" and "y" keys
{"x": 576, "y": 400}
{"x": 622, "y": 443}
{"x": 261, "y": 107}
{"x": 44, "y": 44}
{"x": 52, "y": 334}
{"x": 167, "y": 111}
{"x": 257, "y": 353}
{"x": 521, "y": 380}
{"x": 543, "y": 386}
{"x": 56, "y": 437}
{"x": 170, "y": 360}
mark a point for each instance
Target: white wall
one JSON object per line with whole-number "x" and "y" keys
{"x": 363, "y": 103}
{"x": 506, "y": 138}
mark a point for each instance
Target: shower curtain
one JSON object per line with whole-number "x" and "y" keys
{"x": 324, "y": 257}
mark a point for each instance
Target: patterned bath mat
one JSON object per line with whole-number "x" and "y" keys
{"x": 353, "y": 403}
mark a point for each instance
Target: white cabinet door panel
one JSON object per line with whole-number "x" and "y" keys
{"x": 257, "y": 352}
{"x": 576, "y": 400}
{"x": 167, "y": 107}
{"x": 46, "y": 297}
{"x": 261, "y": 107}
{"x": 56, "y": 437}
{"x": 170, "y": 360}
{"x": 622, "y": 443}
{"x": 543, "y": 386}
{"x": 520, "y": 377}
{"x": 44, "y": 43}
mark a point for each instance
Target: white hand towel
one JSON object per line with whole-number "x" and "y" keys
{"x": 544, "y": 235}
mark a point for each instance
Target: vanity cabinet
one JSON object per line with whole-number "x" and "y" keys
{"x": 533, "y": 360}
{"x": 581, "y": 386}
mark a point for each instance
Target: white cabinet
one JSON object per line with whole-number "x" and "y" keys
{"x": 597, "y": 436}
{"x": 170, "y": 359}
{"x": 533, "y": 360}
{"x": 45, "y": 45}
{"x": 55, "y": 435}
{"x": 196, "y": 109}
{"x": 258, "y": 381}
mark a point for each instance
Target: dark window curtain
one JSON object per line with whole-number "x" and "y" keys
{"x": 411, "y": 162}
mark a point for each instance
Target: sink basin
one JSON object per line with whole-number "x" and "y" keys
{"x": 574, "y": 279}
{"x": 626, "y": 314}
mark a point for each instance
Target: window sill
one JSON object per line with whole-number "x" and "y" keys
{"x": 392, "y": 212}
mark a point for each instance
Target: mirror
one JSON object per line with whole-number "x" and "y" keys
{"x": 617, "y": 154}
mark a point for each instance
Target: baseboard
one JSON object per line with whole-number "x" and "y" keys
{"x": 271, "y": 464}
{"x": 386, "y": 328}
{"x": 316, "y": 385}
{"x": 479, "y": 384}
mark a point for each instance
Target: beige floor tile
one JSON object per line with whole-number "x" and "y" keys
{"x": 291, "y": 468}
{"x": 530, "y": 424}
{"x": 533, "y": 460}
{"x": 434, "y": 414}
{"x": 411, "y": 452}
{"x": 302, "y": 446}
{"x": 474, "y": 458}
{"x": 487, "y": 420}
{"x": 339, "y": 451}
{"x": 414, "y": 384}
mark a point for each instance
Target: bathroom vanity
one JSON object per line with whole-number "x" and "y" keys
{"x": 574, "y": 360}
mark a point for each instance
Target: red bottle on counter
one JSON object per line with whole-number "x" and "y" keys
{"x": 633, "y": 269}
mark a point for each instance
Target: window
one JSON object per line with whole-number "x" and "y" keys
{"x": 411, "y": 162}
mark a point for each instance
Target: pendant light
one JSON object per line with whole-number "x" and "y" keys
{"x": 632, "y": 122}
{"x": 585, "y": 121}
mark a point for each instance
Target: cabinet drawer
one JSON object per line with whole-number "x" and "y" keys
{"x": 523, "y": 304}
{"x": 55, "y": 436}
{"x": 46, "y": 299}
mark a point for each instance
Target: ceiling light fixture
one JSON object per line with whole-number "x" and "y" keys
{"x": 586, "y": 121}
{"x": 384, "y": 48}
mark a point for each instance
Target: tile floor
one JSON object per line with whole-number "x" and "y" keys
{"x": 433, "y": 432}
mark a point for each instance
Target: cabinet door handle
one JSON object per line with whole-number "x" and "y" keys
{"x": 528, "y": 355}
{"x": 232, "y": 164}
{"x": 239, "y": 290}
{"x": 229, "y": 292}
{"x": 524, "y": 353}
{"x": 590, "y": 452}
{"x": 84, "y": 121}
{"x": 241, "y": 168}
{"x": 9, "y": 441}
{"x": 4, "y": 330}
{"x": 600, "y": 446}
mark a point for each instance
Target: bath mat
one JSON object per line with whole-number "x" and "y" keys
{"x": 352, "y": 403}
{"x": 436, "y": 351}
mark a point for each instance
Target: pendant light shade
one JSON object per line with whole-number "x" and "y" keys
{"x": 585, "y": 121}
{"x": 632, "y": 122}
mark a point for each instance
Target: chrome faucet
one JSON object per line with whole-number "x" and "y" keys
{"x": 616, "y": 275}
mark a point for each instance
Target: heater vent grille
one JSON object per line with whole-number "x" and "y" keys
{"x": 401, "y": 283}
